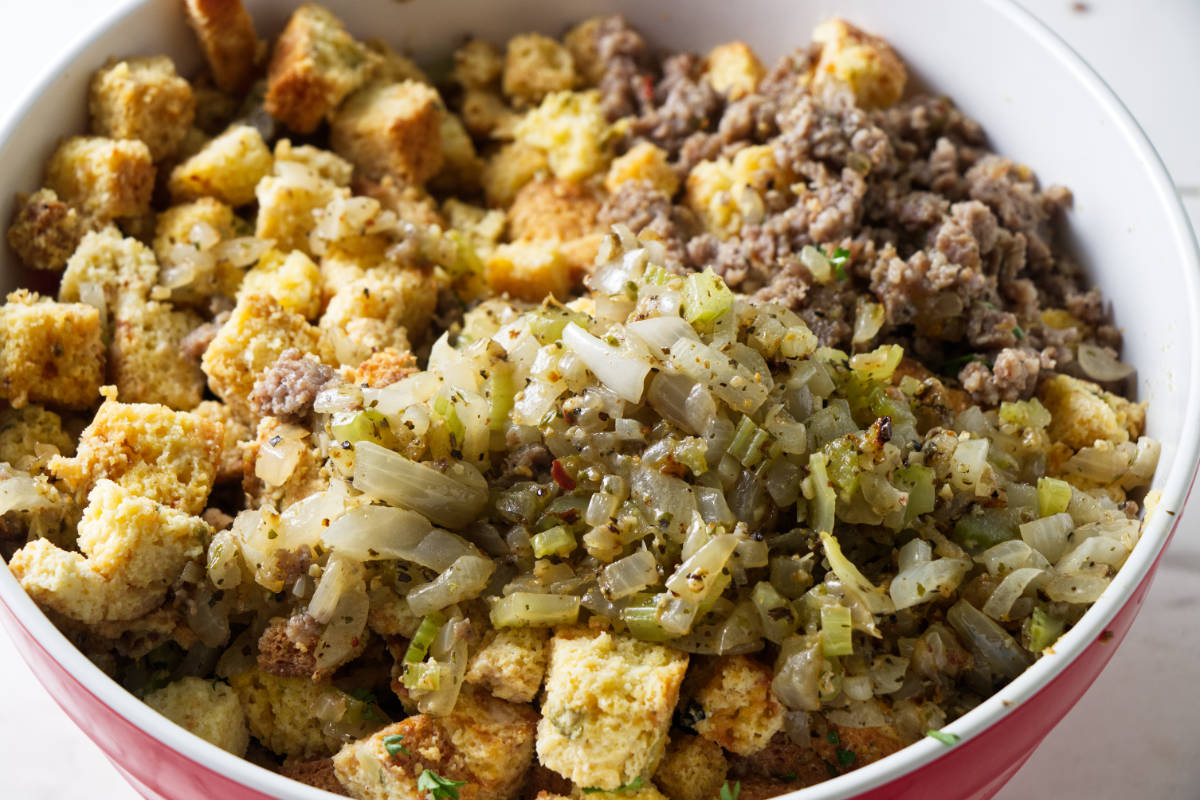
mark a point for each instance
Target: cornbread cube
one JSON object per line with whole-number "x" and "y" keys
{"x": 733, "y": 69}
{"x": 741, "y": 712}
{"x": 394, "y": 67}
{"x": 391, "y": 129}
{"x": 866, "y": 64}
{"x": 228, "y": 168}
{"x": 528, "y": 271}
{"x": 572, "y": 130}
{"x": 44, "y": 231}
{"x": 288, "y": 202}
{"x": 183, "y": 238}
{"x": 105, "y": 178}
{"x": 131, "y": 550}
{"x": 181, "y": 226}
{"x": 693, "y": 768}
{"x": 511, "y": 663}
{"x": 282, "y": 713}
{"x": 607, "y": 706}
{"x": 209, "y": 709}
{"x": 235, "y": 432}
{"x": 328, "y": 166}
{"x": 482, "y": 227}
{"x": 142, "y": 98}
{"x": 487, "y": 743}
{"x": 292, "y": 279}
{"x": 642, "y": 793}
{"x": 477, "y": 65}
{"x": 227, "y": 37}
{"x": 378, "y": 311}
{"x": 316, "y": 64}
{"x": 110, "y": 265}
{"x": 43, "y": 510}
{"x": 582, "y": 42}
{"x": 485, "y": 114}
{"x": 146, "y": 360}
{"x": 1082, "y": 413}
{"x": 510, "y": 168}
{"x": 867, "y": 744}
{"x": 51, "y": 353}
{"x": 257, "y": 331}
{"x": 167, "y": 456}
{"x": 555, "y": 209}
{"x": 461, "y": 165}
{"x": 535, "y": 66}
{"x": 643, "y": 162}
{"x": 385, "y": 367}
{"x": 27, "y": 430}
{"x": 724, "y": 193}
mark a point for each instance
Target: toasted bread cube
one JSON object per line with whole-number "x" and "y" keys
{"x": 394, "y": 67}
{"x": 105, "y": 178}
{"x": 411, "y": 203}
{"x": 570, "y": 127}
{"x": 529, "y": 271}
{"x": 866, "y": 64}
{"x": 741, "y": 712}
{"x": 308, "y": 474}
{"x": 1082, "y": 413}
{"x": 282, "y": 713}
{"x": 328, "y": 166}
{"x": 535, "y": 66}
{"x": 643, "y": 792}
{"x": 131, "y": 550}
{"x": 108, "y": 263}
{"x": 553, "y": 209}
{"x": 185, "y": 236}
{"x": 483, "y": 228}
{"x": 485, "y": 742}
{"x": 187, "y": 225}
{"x": 316, "y": 64}
{"x": 510, "y": 168}
{"x": 385, "y": 367}
{"x": 29, "y": 432}
{"x": 378, "y": 311}
{"x": 288, "y": 202}
{"x": 485, "y": 114}
{"x": 209, "y": 709}
{"x": 227, "y": 37}
{"x": 867, "y": 744}
{"x": 142, "y": 98}
{"x": 391, "y": 129}
{"x": 292, "y": 279}
{"x": 693, "y": 768}
{"x": 146, "y": 360}
{"x": 477, "y": 65}
{"x": 167, "y": 456}
{"x": 228, "y": 168}
{"x": 607, "y": 706}
{"x": 733, "y": 69}
{"x": 511, "y": 663}
{"x": 724, "y": 193}
{"x": 235, "y": 432}
{"x": 44, "y": 231}
{"x": 582, "y": 41}
{"x": 257, "y": 331}
{"x": 461, "y": 165}
{"x": 643, "y": 162}
{"x": 51, "y": 353}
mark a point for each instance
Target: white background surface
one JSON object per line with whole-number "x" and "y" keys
{"x": 1136, "y": 734}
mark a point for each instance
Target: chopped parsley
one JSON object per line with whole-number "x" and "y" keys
{"x": 632, "y": 786}
{"x": 363, "y": 696}
{"x": 439, "y": 788}
{"x": 948, "y": 739}
{"x": 952, "y": 365}
{"x": 839, "y": 258}
{"x": 1018, "y": 332}
{"x": 393, "y": 746}
{"x": 845, "y": 757}
{"x": 731, "y": 792}
{"x": 833, "y": 738}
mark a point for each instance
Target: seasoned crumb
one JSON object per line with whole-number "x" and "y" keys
{"x": 378, "y": 311}
{"x": 477, "y": 65}
{"x": 535, "y": 66}
{"x": 146, "y": 358}
{"x": 511, "y": 663}
{"x": 866, "y": 64}
{"x": 733, "y": 69}
{"x": 693, "y": 768}
{"x": 107, "y": 267}
{"x": 27, "y": 432}
{"x": 328, "y": 166}
{"x": 741, "y": 712}
{"x": 282, "y": 713}
{"x": 385, "y": 367}
{"x": 235, "y": 432}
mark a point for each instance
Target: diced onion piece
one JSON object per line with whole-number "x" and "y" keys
{"x": 278, "y": 458}
{"x": 915, "y": 551}
{"x": 798, "y": 673}
{"x": 991, "y": 645}
{"x": 1011, "y": 555}
{"x": 340, "y": 575}
{"x": 1093, "y": 550}
{"x": 854, "y": 581}
{"x": 817, "y": 263}
{"x": 879, "y": 364}
{"x": 927, "y": 580}
{"x": 738, "y": 387}
{"x": 705, "y": 297}
{"x": 775, "y": 613}
{"x": 868, "y": 319}
{"x": 390, "y": 477}
{"x": 858, "y": 687}
{"x": 1048, "y": 535}
{"x": 618, "y": 371}
{"x": 1001, "y": 600}
{"x": 342, "y": 635}
{"x": 824, "y": 497}
{"x": 1075, "y": 588}
{"x": 629, "y": 575}
{"x": 1100, "y": 365}
{"x": 887, "y": 673}
{"x": 465, "y": 579}
{"x": 527, "y": 608}
{"x": 696, "y": 576}
{"x": 449, "y": 651}
{"x": 970, "y": 458}
{"x": 224, "y": 567}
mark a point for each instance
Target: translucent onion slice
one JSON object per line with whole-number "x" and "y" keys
{"x": 1094, "y": 550}
{"x": 927, "y": 580}
{"x": 527, "y": 608}
{"x": 465, "y": 579}
{"x": 1100, "y": 365}
{"x": 618, "y": 371}
{"x": 991, "y": 645}
{"x": 453, "y": 499}
{"x": 1048, "y": 535}
{"x": 1014, "y": 585}
{"x": 1075, "y": 588}
{"x": 629, "y": 575}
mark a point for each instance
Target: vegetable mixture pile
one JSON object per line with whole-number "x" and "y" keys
{"x": 575, "y": 420}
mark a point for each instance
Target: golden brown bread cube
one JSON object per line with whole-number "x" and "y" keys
{"x": 535, "y": 66}
{"x": 207, "y": 708}
{"x": 529, "y": 271}
{"x": 461, "y": 165}
{"x": 167, "y": 456}
{"x": 44, "y": 230}
{"x": 328, "y": 166}
{"x": 1082, "y": 413}
{"x": 391, "y": 129}
{"x": 511, "y": 663}
{"x": 146, "y": 360}
{"x": 226, "y": 34}
{"x": 105, "y": 178}
{"x": 106, "y": 267}
{"x": 693, "y": 768}
{"x": 229, "y": 463}
{"x": 385, "y": 367}
{"x": 741, "y": 712}
{"x": 477, "y": 65}
{"x": 378, "y": 311}
{"x": 145, "y": 99}
{"x": 28, "y": 432}
{"x": 227, "y": 168}
{"x": 562, "y": 213}
{"x": 643, "y": 162}
{"x": 50, "y": 353}
{"x": 510, "y": 168}
{"x": 733, "y": 69}
{"x": 288, "y": 202}
{"x": 292, "y": 279}
{"x": 282, "y": 713}
{"x": 865, "y": 64}
{"x": 394, "y": 67}
{"x": 316, "y": 64}
{"x": 581, "y": 40}
{"x": 485, "y": 114}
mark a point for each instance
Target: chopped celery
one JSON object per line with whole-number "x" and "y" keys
{"x": 356, "y": 426}
{"x": 426, "y": 676}
{"x": 880, "y": 363}
{"x": 500, "y": 393}
{"x": 842, "y": 465}
{"x": 528, "y": 608}
{"x": 705, "y": 297}
{"x": 547, "y": 323}
{"x": 1053, "y": 496}
{"x": 557, "y": 541}
{"x": 836, "y": 630}
{"x": 1025, "y": 413}
{"x": 749, "y": 443}
{"x": 466, "y": 261}
{"x": 446, "y": 409}
{"x": 692, "y": 453}
{"x": 427, "y": 631}
{"x": 821, "y": 511}
{"x": 981, "y": 530}
{"x": 1044, "y": 629}
{"x": 918, "y": 482}
{"x": 642, "y": 619}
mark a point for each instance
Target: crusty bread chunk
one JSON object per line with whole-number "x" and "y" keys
{"x": 317, "y": 772}
{"x": 282, "y": 713}
{"x": 167, "y": 456}
{"x": 378, "y": 311}
{"x": 146, "y": 360}
{"x": 511, "y": 663}
{"x": 107, "y": 267}
{"x": 50, "y": 353}
{"x": 45, "y": 230}
{"x": 643, "y": 162}
{"x": 235, "y": 432}
{"x": 477, "y": 65}
{"x": 741, "y": 712}
{"x": 391, "y": 129}
{"x": 485, "y": 742}
{"x": 207, "y": 708}
{"x": 292, "y": 279}
{"x": 1082, "y": 413}
{"x": 227, "y": 168}
{"x": 328, "y": 166}
{"x": 607, "y": 706}
{"x": 511, "y": 167}
{"x": 142, "y": 98}
{"x": 528, "y": 270}
{"x": 733, "y": 69}
{"x": 693, "y": 768}
{"x": 865, "y": 64}
{"x": 26, "y": 432}
{"x": 131, "y": 550}
{"x": 288, "y": 202}
{"x": 535, "y": 66}
{"x": 105, "y": 178}
{"x": 316, "y": 64}
{"x": 226, "y": 34}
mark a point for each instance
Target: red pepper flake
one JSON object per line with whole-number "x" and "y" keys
{"x": 561, "y": 476}
{"x": 647, "y": 88}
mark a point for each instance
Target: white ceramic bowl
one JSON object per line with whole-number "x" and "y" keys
{"x": 1039, "y": 103}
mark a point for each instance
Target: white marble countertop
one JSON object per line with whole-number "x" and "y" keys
{"x": 1135, "y": 733}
